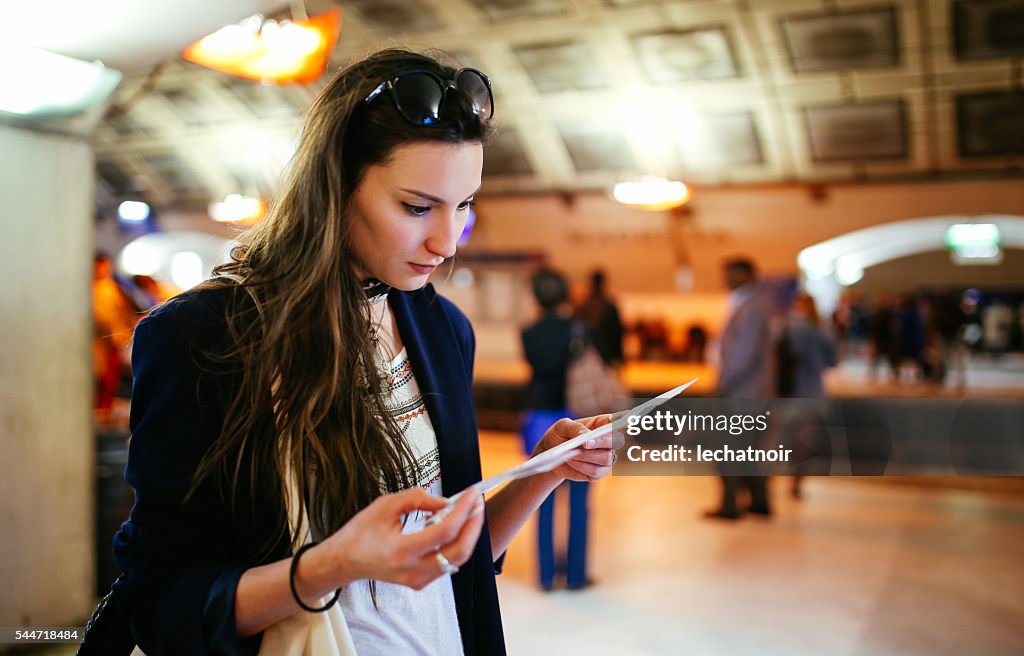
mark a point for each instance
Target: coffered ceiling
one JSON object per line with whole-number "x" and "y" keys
{"x": 589, "y": 92}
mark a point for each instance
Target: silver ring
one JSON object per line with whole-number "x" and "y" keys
{"x": 446, "y": 566}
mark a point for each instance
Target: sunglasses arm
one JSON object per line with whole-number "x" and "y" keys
{"x": 376, "y": 92}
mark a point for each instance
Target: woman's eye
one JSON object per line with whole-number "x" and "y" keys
{"x": 416, "y": 210}
{"x": 468, "y": 204}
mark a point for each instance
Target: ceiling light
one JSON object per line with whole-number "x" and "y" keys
{"x": 133, "y": 211}
{"x": 270, "y": 52}
{"x": 652, "y": 194}
{"x": 236, "y": 208}
{"x": 40, "y": 84}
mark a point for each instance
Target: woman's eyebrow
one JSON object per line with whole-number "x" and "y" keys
{"x": 425, "y": 195}
{"x": 432, "y": 198}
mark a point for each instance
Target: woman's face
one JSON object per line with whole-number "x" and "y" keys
{"x": 408, "y": 212}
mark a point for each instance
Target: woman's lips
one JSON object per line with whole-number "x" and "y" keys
{"x": 423, "y": 269}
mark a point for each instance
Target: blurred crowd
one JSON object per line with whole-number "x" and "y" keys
{"x": 925, "y": 336}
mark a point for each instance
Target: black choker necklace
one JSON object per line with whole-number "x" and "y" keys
{"x": 374, "y": 288}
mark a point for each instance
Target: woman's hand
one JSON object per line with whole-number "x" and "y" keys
{"x": 593, "y": 460}
{"x": 371, "y": 545}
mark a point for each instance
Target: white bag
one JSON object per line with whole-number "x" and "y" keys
{"x": 304, "y": 633}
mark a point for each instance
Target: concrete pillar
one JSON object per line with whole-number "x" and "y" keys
{"x": 46, "y": 442}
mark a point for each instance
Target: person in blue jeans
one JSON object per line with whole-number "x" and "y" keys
{"x": 546, "y": 347}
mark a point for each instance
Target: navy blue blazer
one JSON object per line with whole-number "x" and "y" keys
{"x": 182, "y": 561}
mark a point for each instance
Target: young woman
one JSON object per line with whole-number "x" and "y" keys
{"x": 297, "y": 418}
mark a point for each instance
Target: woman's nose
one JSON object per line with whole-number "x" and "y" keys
{"x": 444, "y": 236}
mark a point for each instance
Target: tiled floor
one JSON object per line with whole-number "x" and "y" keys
{"x": 856, "y": 567}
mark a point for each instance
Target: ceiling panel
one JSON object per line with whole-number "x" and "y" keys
{"x": 989, "y": 29}
{"x": 503, "y": 10}
{"x": 596, "y": 149}
{"x": 557, "y": 67}
{"x": 841, "y": 41}
{"x": 857, "y": 132}
{"x": 990, "y": 124}
{"x": 683, "y": 56}
{"x": 391, "y": 16}
{"x": 721, "y": 140}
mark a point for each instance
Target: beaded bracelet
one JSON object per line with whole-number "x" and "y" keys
{"x": 291, "y": 582}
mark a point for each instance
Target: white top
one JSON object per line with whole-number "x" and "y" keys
{"x": 406, "y": 621}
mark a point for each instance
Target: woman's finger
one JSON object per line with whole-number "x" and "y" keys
{"x": 459, "y": 550}
{"x": 602, "y": 442}
{"x": 590, "y": 470}
{"x": 415, "y": 498}
{"x": 442, "y": 532}
{"x": 596, "y": 421}
{"x": 600, "y": 457}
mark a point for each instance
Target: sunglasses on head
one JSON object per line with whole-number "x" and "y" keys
{"x": 419, "y": 95}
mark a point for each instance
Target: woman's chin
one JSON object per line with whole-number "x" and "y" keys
{"x": 408, "y": 283}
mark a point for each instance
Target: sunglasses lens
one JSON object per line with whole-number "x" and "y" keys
{"x": 418, "y": 97}
{"x": 476, "y": 88}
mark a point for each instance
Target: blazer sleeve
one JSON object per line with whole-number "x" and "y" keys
{"x": 179, "y": 579}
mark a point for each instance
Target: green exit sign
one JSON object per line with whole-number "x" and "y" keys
{"x": 974, "y": 243}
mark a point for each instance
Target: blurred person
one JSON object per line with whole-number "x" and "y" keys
{"x": 149, "y": 292}
{"x": 656, "y": 340}
{"x": 297, "y": 418}
{"x": 114, "y": 317}
{"x": 546, "y": 345}
{"x": 814, "y": 352}
{"x": 843, "y": 320}
{"x": 602, "y": 315}
{"x": 1020, "y": 323}
{"x": 884, "y": 332}
{"x": 746, "y": 370}
{"x": 996, "y": 325}
{"x": 911, "y": 338}
{"x": 696, "y": 344}
{"x": 851, "y": 323}
{"x": 949, "y": 323}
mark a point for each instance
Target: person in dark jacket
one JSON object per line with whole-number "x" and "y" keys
{"x": 601, "y": 315}
{"x": 546, "y": 345}
{"x": 297, "y": 419}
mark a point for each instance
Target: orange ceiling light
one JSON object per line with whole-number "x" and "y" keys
{"x": 270, "y": 52}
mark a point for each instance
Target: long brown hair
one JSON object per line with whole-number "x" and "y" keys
{"x": 300, "y": 331}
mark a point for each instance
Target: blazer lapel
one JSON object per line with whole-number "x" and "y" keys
{"x": 438, "y": 365}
